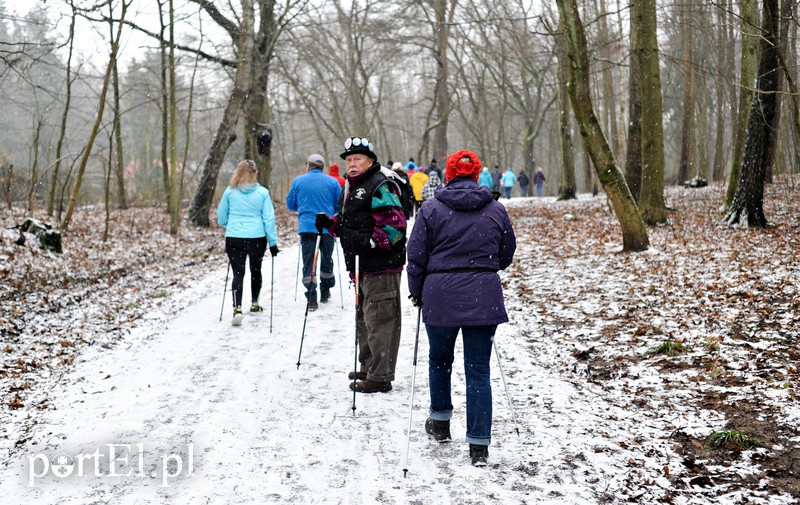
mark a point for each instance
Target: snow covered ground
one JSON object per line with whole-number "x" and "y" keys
{"x": 196, "y": 411}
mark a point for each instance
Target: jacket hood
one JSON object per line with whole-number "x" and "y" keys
{"x": 334, "y": 170}
{"x": 433, "y": 178}
{"x": 464, "y": 194}
{"x": 248, "y": 188}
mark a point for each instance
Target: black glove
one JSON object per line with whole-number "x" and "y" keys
{"x": 416, "y": 302}
{"x": 322, "y": 221}
{"x": 496, "y": 195}
{"x": 273, "y": 250}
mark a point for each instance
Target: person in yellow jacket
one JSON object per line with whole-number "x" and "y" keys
{"x": 417, "y": 182}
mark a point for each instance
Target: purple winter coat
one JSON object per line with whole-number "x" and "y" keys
{"x": 460, "y": 239}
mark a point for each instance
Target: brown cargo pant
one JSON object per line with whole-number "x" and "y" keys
{"x": 378, "y": 320}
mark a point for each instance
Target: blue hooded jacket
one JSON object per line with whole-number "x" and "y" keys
{"x": 310, "y": 194}
{"x": 247, "y": 212}
{"x": 460, "y": 239}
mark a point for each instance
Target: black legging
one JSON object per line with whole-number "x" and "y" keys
{"x": 239, "y": 249}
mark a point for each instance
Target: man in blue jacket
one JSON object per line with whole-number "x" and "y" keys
{"x": 310, "y": 194}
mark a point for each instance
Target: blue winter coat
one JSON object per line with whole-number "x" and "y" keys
{"x": 460, "y": 239}
{"x": 310, "y": 194}
{"x": 247, "y": 212}
{"x": 485, "y": 179}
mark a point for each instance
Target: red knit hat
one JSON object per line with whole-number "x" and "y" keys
{"x": 456, "y": 167}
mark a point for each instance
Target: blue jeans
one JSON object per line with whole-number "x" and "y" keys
{"x": 327, "y": 280}
{"x": 539, "y": 189}
{"x": 477, "y": 352}
{"x": 507, "y": 191}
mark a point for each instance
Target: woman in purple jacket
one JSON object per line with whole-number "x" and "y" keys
{"x": 461, "y": 238}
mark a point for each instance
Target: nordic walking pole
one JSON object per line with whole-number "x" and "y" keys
{"x": 308, "y": 298}
{"x": 271, "y": 292}
{"x": 413, "y": 381}
{"x": 355, "y": 355}
{"x": 225, "y": 292}
{"x": 297, "y": 271}
{"x": 339, "y": 271}
{"x": 505, "y": 387}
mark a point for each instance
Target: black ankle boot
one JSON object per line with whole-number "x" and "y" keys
{"x": 439, "y": 430}
{"x": 479, "y": 454}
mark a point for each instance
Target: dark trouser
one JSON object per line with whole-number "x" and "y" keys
{"x": 507, "y": 191}
{"x": 239, "y": 249}
{"x": 378, "y": 319}
{"x": 327, "y": 279}
{"x": 417, "y": 205}
{"x": 477, "y": 353}
{"x": 523, "y": 190}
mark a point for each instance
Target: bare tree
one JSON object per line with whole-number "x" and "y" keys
{"x": 651, "y": 198}
{"x": 76, "y": 187}
{"x": 747, "y": 208}
{"x": 747, "y": 76}
{"x": 634, "y": 232}
{"x": 201, "y": 202}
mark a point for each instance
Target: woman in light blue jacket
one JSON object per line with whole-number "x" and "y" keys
{"x": 248, "y": 216}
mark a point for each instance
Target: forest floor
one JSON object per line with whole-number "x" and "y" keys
{"x": 604, "y": 417}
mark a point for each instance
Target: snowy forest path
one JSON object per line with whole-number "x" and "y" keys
{"x": 257, "y": 428}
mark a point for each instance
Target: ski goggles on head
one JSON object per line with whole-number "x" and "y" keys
{"x": 357, "y": 141}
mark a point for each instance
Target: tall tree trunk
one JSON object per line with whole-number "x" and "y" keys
{"x": 201, "y": 202}
{"x": 747, "y": 65}
{"x": 783, "y": 27}
{"x": 33, "y": 182}
{"x": 569, "y": 184}
{"x": 747, "y": 208}
{"x": 76, "y": 186}
{"x": 257, "y": 112}
{"x": 634, "y": 233}
{"x": 633, "y": 157}
{"x": 175, "y": 180}
{"x": 686, "y": 166}
{"x": 164, "y": 105}
{"x": 719, "y": 113}
{"x": 441, "y": 94}
{"x": 119, "y": 171}
{"x": 62, "y": 131}
{"x": 608, "y": 79}
{"x": 651, "y": 199}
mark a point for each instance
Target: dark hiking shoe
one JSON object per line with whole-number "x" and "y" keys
{"x": 325, "y": 297}
{"x": 237, "y": 317}
{"x": 439, "y": 430}
{"x": 479, "y": 454}
{"x": 256, "y": 308}
{"x": 357, "y": 375}
{"x": 312, "y": 305}
{"x": 367, "y": 386}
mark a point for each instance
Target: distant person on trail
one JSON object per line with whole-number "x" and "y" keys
{"x": 485, "y": 179}
{"x": 417, "y": 181}
{"x": 407, "y": 195}
{"x": 538, "y": 180}
{"x": 434, "y": 167}
{"x": 496, "y": 176}
{"x": 508, "y": 180}
{"x": 410, "y": 166}
{"x": 460, "y": 240}
{"x": 310, "y": 194}
{"x": 523, "y": 181}
{"x": 333, "y": 171}
{"x": 248, "y": 216}
{"x": 371, "y": 225}
{"x": 429, "y": 189}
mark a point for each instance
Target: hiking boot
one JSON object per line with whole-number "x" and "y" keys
{"x": 479, "y": 454}
{"x": 312, "y": 305}
{"x": 368, "y": 386}
{"x": 237, "y": 317}
{"x": 256, "y": 308}
{"x": 439, "y": 430}
{"x": 357, "y": 375}
{"x": 325, "y": 297}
